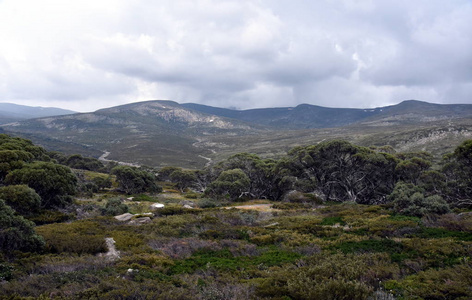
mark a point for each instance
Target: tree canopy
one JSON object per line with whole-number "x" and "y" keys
{"x": 133, "y": 180}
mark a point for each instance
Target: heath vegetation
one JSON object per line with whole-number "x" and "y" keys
{"x": 327, "y": 221}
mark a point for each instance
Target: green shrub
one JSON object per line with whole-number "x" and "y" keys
{"x": 5, "y": 271}
{"x": 333, "y": 221}
{"x": 143, "y": 197}
{"x": 336, "y": 276}
{"x": 50, "y": 216}
{"x": 17, "y": 233}
{"x": 289, "y": 206}
{"x": 191, "y": 195}
{"x": 80, "y": 237}
{"x": 125, "y": 240}
{"x": 383, "y": 245}
{"x": 409, "y": 199}
{"x": 448, "y": 283}
{"x": 208, "y": 203}
{"x": 114, "y": 207}
{"x": 21, "y": 198}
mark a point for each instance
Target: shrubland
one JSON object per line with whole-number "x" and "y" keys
{"x": 327, "y": 221}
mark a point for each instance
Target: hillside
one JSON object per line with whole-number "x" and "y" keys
{"x": 160, "y": 133}
{"x": 10, "y": 112}
{"x": 150, "y": 133}
{"x": 306, "y": 116}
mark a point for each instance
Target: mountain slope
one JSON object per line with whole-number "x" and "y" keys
{"x": 159, "y": 133}
{"x": 306, "y": 116}
{"x": 152, "y": 132}
{"x": 10, "y": 112}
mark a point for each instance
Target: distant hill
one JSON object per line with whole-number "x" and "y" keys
{"x": 10, "y": 112}
{"x": 306, "y": 116}
{"x": 150, "y": 133}
{"x": 160, "y": 133}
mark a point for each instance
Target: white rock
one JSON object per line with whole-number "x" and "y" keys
{"x": 124, "y": 217}
{"x": 157, "y": 205}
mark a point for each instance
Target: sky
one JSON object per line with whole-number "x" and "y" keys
{"x": 91, "y": 54}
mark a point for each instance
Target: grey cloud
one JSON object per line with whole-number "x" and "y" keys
{"x": 244, "y": 53}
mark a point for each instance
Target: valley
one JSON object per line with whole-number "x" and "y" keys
{"x": 165, "y": 133}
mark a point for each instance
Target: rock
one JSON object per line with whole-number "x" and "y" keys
{"x": 188, "y": 203}
{"x": 124, "y": 217}
{"x": 140, "y": 221}
{"x": 112, "y": 253}
{"x": 157, "y": 205}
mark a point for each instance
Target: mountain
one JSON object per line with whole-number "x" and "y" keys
{"x": 303, "y": 116}
{"x": 10, "y": 112}
{"x": 159, "y": 133}
{"x": 306, "y": 116}
{"x": 150, "y": 133}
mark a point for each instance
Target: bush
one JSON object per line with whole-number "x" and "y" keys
{"x": 133, "y": 180}
{"x": 17, "y": 233}
{"x": 447, "y": 283}
{"x": 50, "y": 216}
{"x": 54, "y": 183}
{"x": 80, "y": 237}
{"x": 409, "y": 199}
{"x": 21, "y": 198}
{"x": 114, "y": 207}
{"x": 207, "y": 203}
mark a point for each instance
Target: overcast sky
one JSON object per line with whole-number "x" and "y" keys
{"x": 85, "y": 55}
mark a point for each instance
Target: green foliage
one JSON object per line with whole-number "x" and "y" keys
{"x": 77, "y": 161}
{"x": 409, "y": 199}
{"x": 183, "y": 179}
{"x": 81, "y": 237}
{"x": 134, "y": 181}
{"x": 21, "y": 198}
{"x": 126, "y": 240}
{"x": 225, "y": 260}
{"x": 448, "y": 283}
{"x": 382, "y": 245}
{"x": 333, "y": 221}
{"x": 458, "y": 170}
{"x": 207, "y": 203}
{"x": 5, "y": 271}
{"x": 231, "y": 183}
{"x": 54, "y": 183}
{"x": 345, "y": 172}
{"x": 114, "y": 207}
{"x": 164, "y": 173}
{"x": 50, "y": 216}
{"x": 336, "y": 276}
{"x": 444, "y": 233}
{"x": 410, "y": 170}
{"x": 17, "y": 233}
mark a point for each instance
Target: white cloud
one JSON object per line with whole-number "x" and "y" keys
{"x": 353, "y": 53}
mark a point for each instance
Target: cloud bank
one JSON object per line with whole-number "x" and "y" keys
{"x": 85, "y": 55}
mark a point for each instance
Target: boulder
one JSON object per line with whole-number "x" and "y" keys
{"x": 124, "y": 217}
{"x": 157, "y": 205}
{"x": 187, "y": 203}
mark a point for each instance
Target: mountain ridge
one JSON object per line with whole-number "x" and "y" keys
{"x": 162, "y": 132}
{"x": 10, "y": 112}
